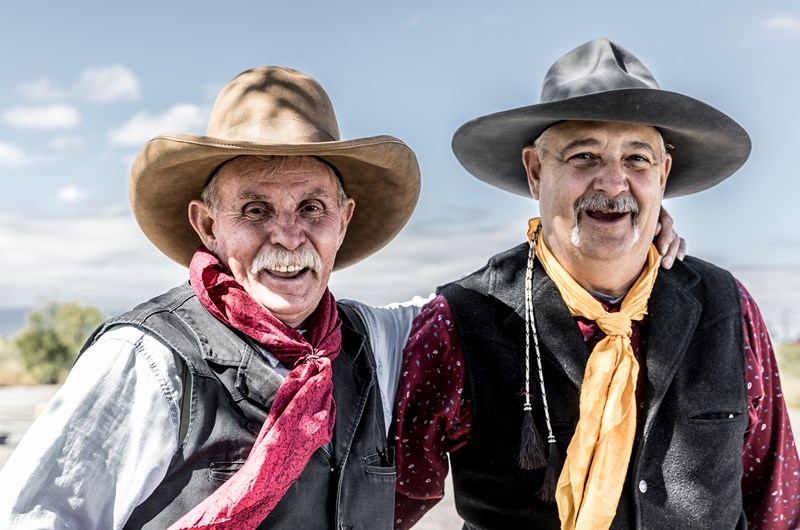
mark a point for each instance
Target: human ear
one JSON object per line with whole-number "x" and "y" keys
{"x": 533, "y": 165}
{"x": 666, "y": 167}
{"x": 202, "y": 219}
{"x": 346, "y": 213}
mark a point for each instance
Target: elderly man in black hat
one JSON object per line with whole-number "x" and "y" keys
{"x": 573, "y": 383}
{"x": 246, "y": 396}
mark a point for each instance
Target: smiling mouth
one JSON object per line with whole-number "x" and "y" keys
{"x": 290, "y": 272}
{"x": 604, "y": 216}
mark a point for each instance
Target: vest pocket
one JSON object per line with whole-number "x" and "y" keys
{"x": 378, "y": 464}
{"x": 222, "y": 471}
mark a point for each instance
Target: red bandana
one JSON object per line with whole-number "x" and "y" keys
{"x": 302, "y": 414}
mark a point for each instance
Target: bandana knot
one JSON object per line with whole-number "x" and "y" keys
{"x": 316, "y": 356}
{"x": 615, "y": 325}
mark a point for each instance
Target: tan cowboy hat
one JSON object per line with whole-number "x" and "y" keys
{"x": 273, "y": 110}
{"x": 602, "y": 81}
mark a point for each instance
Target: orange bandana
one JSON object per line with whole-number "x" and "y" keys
{"x": 593, "y": 475}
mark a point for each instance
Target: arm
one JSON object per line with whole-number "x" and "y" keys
{"x": 433, "y": 412}
{"x": 388, "y": 328}
{"x": 102, "y": 444}
{"x": 771, "y": 478}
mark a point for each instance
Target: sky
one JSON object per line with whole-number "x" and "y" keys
{"x": 86, "y": 84}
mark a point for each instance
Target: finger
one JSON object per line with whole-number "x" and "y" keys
{"x": 666, "y": 232}
{"x": 672, "y": 252}
{"x": 665, "y": 219}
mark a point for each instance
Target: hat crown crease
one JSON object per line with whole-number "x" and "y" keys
{"x": 273, "y": 105}
{"x": 597, "y": 66}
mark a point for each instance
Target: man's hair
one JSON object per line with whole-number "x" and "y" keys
{"x": 272, "y": 164}
{"x": 540, "y": 141}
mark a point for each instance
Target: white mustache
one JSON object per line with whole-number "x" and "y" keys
{"x": 282, "y": 260}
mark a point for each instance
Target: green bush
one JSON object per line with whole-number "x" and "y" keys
{"x": 52, "y": 338}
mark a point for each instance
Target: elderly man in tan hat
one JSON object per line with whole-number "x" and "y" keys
{"x": 245, "y": 397}
{"x": 645, "y": 398}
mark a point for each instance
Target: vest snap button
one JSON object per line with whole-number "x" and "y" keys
{"x": 643, "y": 486}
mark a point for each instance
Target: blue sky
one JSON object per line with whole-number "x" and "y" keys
{"x": 85, "y": 84}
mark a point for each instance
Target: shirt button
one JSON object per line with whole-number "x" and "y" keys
{"x": 643, "y": 486}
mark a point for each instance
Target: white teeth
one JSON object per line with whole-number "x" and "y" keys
{"x": 288, "y": 268}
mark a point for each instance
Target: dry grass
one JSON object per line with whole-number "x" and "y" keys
{"x": 789, "y": 363}
{"x": 12, "y": 371}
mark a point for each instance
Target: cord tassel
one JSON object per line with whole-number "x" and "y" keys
{"x": 554, "y": 464}
{"x": 531, "y": 448}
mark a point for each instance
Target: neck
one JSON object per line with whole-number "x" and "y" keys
{"x": 612, "y": 277}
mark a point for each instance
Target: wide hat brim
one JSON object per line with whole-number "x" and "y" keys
{"x": 708, "y": 145}
{"x": 381, "y": 173}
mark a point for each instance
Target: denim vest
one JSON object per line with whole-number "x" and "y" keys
{"x": 686, "y": 467}
{"x": 228, "y": 390}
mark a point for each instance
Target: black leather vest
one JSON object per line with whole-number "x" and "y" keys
{"x": 686, "y": 466}
{"x": 231, "y": 387}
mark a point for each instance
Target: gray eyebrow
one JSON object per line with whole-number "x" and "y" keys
{"x": 593, "y": 142}
{"x": 577, "y": 144}
{"x": 635, "y": 144}
{"x": 310, "y": 194}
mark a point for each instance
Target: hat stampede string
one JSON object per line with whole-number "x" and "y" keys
{"x": 531, "y": 451}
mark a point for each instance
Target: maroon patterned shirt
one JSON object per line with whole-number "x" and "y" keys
{"x": 434, "y": 417}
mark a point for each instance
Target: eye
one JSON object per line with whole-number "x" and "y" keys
{"x": 256, "y": 210}
{"x": 312, "y": 207}
{"x": 583, "y": 160}
{"x": 638, "y": 161}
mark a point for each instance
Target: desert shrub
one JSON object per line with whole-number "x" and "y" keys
{"x": 53, "y": 336}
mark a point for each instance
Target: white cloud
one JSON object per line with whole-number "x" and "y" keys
{"x": 12, "y": 156}
{"x": 784, "y": 23}
{"x": 103, "y": 260}
{"x": 71, "y": 194}
{"x": 98, "y": 85}
{"x": 103, "y": 85}
{"x": 66, "y": 142}
{"x": 58, "y": 116}
{"x": 41, "y": 90}
{"x": 143, "y": 126}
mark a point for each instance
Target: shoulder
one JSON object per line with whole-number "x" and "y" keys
{"x": 702, "y": 278}
{"x": 125, "y": 354}
{"x": 692, "y": 270}
{"x": 176, "y": 318}
{"x": 500, "y": 270}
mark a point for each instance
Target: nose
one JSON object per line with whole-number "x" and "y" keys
{"x": 611, "y": 179}
{"x": 286, "y": 231}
